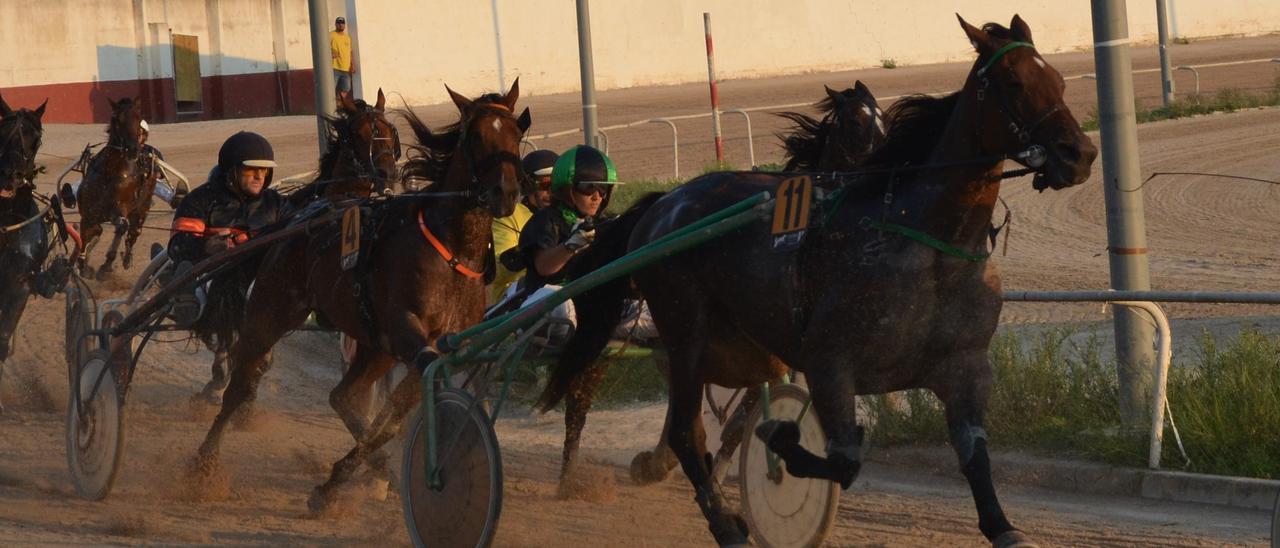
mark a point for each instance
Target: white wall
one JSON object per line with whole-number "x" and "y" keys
{"x": 415, "y": 46}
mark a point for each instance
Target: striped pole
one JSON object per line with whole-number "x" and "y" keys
{"x": 715, "y": 91}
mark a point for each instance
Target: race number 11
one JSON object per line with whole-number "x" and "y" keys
{"x": 791, "y": 206}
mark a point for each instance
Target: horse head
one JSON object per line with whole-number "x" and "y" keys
{"x": 489, "y": 147}
{"x": 363, "y": 132}
{"x": 1019, "y": 104}
{"x": 20, "y": 132}
{"x": 124, "y": 130}
{"x": 855, "y": 126}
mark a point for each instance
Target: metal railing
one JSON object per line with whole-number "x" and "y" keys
{"x": 1145, "y": 300}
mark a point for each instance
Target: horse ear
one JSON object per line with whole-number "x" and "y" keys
{"x": 860, "y": 87}
{"x": 112, "y": 103}
{"x": 344, "y": 100}
{"x": 1021, "y": 31}
{"x": 979, "y": 38}
{"x": 40, "y": 110}
{"x": 512, "y": 94}
{"x": 836, "y": 97}
{"x": 463, "y": 103}
{"x": 525, "y": 120}
{"x": 382, "y": 100}
{"x": 4, "y": 108}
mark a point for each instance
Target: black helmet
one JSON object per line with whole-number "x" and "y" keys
{"x": 246, "y": 148}
{"x": 539, "y": 162}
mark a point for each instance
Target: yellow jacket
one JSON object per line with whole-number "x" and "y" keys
{"x": 506, "y": 235}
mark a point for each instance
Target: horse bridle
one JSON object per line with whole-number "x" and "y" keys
{"x": 476, "y": 194}
{"x": 365, "y": 168}
{"x": 871, "y": 132}
{"x": 1016, "y": 125}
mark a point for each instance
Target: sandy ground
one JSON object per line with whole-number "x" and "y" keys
{"x": 1204, "y": 233}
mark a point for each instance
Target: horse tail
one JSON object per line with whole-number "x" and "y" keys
{"x": 599, "y": 310}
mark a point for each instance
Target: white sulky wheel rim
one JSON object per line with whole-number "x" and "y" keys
{"x": 95, "y": 442}
{"x": 465, "y": 512}
{"x": 788, "y": 511}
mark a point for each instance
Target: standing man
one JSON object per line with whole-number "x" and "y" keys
{"x": 340, "y": 50}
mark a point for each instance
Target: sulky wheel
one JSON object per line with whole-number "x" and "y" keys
{"x": 464, "y": 509}
{"x": 783, "y": 510}
{"x": 95, "y": 427}
{"x": 79, "y": 320}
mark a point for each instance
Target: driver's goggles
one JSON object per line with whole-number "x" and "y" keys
{"x": 543, "y": 181}
{"x": 588, "y": 188}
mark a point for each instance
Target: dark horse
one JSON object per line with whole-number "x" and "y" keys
{"x": 117, "y": 187}
{"x": 851, "y": 125}
{"x": 24, "y": 245}
{"x": 404, "y": 292}
{"x": 360, "y": 159}
{"x": 880, "y": 297}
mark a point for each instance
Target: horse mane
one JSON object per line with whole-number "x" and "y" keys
{"x": 809, "y": 135}
{"x": 430, "y": 158}
{"x": 915, "y": 129}
{"x": 338, "y": 128}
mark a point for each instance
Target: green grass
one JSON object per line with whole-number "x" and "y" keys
{"x": 1226, "y": 100}
{"x": 888, "y": 63}
{"x": 628, "y": 381}
{"x": 1055, "y": 396}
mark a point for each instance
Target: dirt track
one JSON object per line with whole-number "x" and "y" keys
{"x": 1204, "y": 234}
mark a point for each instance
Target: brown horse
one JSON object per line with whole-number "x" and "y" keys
{"x": 417, "y": 276}
{"x": 24, "y": 244}
{"x": 117, "y": 187}
{"x": 890, "y": 289}
{"x": 360, "y": 160}
{"x": 850, "y": 127}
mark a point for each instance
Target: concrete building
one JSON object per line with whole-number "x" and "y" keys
{"x": 201, "y": 59}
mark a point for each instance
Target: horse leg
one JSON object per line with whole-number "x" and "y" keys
{"x": 92, "y": 233}
{"x": 734, "y": 430}
{"x": 965, "y": 398}
{"x": 267, "y": 319}
{"x": 649, "y": 467}
{"x": 407, "y": 340}
{"x": 385, "y": 425}
{"x": 135, "y": 229}
{"x": 577, "y": 402}
{"x": 351, "y": 398}
{"x": 212, "y": 391}
{"x": 108, "y": 265}
{"x": 13, "y": 301}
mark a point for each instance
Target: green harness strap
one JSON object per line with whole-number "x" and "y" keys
{"x": 928, "y": 240}
{"x": 1000, "y": 53}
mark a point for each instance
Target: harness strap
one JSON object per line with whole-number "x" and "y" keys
{"x": 926, "y": 239}
{"x": 448, "y": 257}
{"x": 1000, "y": 53}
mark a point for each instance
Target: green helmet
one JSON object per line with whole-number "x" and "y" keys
{"x": 582, "y": 164}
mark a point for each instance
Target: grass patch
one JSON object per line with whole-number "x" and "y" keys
{"x": 1055, "y": 395}
{"x": 1226, "y": 100}
{"x": 888, "y": 63}
{"x": 628, "y": 381}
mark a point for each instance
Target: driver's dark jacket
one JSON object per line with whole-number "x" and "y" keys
{"x": 217, "y": 205}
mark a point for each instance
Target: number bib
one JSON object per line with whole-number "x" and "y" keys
{"x": 791, "y": 212}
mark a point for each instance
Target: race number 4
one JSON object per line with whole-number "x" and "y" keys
{"x": 791, "y": 212}
{"x": 350, "y": 237}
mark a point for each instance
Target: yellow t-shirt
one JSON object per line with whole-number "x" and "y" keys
{"x": 506, "y": 235}
{"x": 340, "y": 50}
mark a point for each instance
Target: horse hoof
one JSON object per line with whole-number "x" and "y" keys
{"x": 318, "y": 502}
{"x": 730, "y": 530}
{"x": 778, "y": 434}
{"x": 102, "y": 273}
{"x": 647, "y": 469}
{"x": 1014, "y": 539}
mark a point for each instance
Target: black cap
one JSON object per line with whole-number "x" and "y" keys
{"x": 342, "y": 20}
{"x": 245, "y": 148}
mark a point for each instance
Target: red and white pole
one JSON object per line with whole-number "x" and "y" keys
{"x": 715, "y": 92}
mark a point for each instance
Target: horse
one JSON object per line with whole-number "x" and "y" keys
{"x": 890, "y": 289}
{"x": 419, "y": 275}
{"x": 850, "y": 127}
{"x": 24, "y": 244}
{"x": 117, "y": 188}
{"x": 359, "y": 160}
